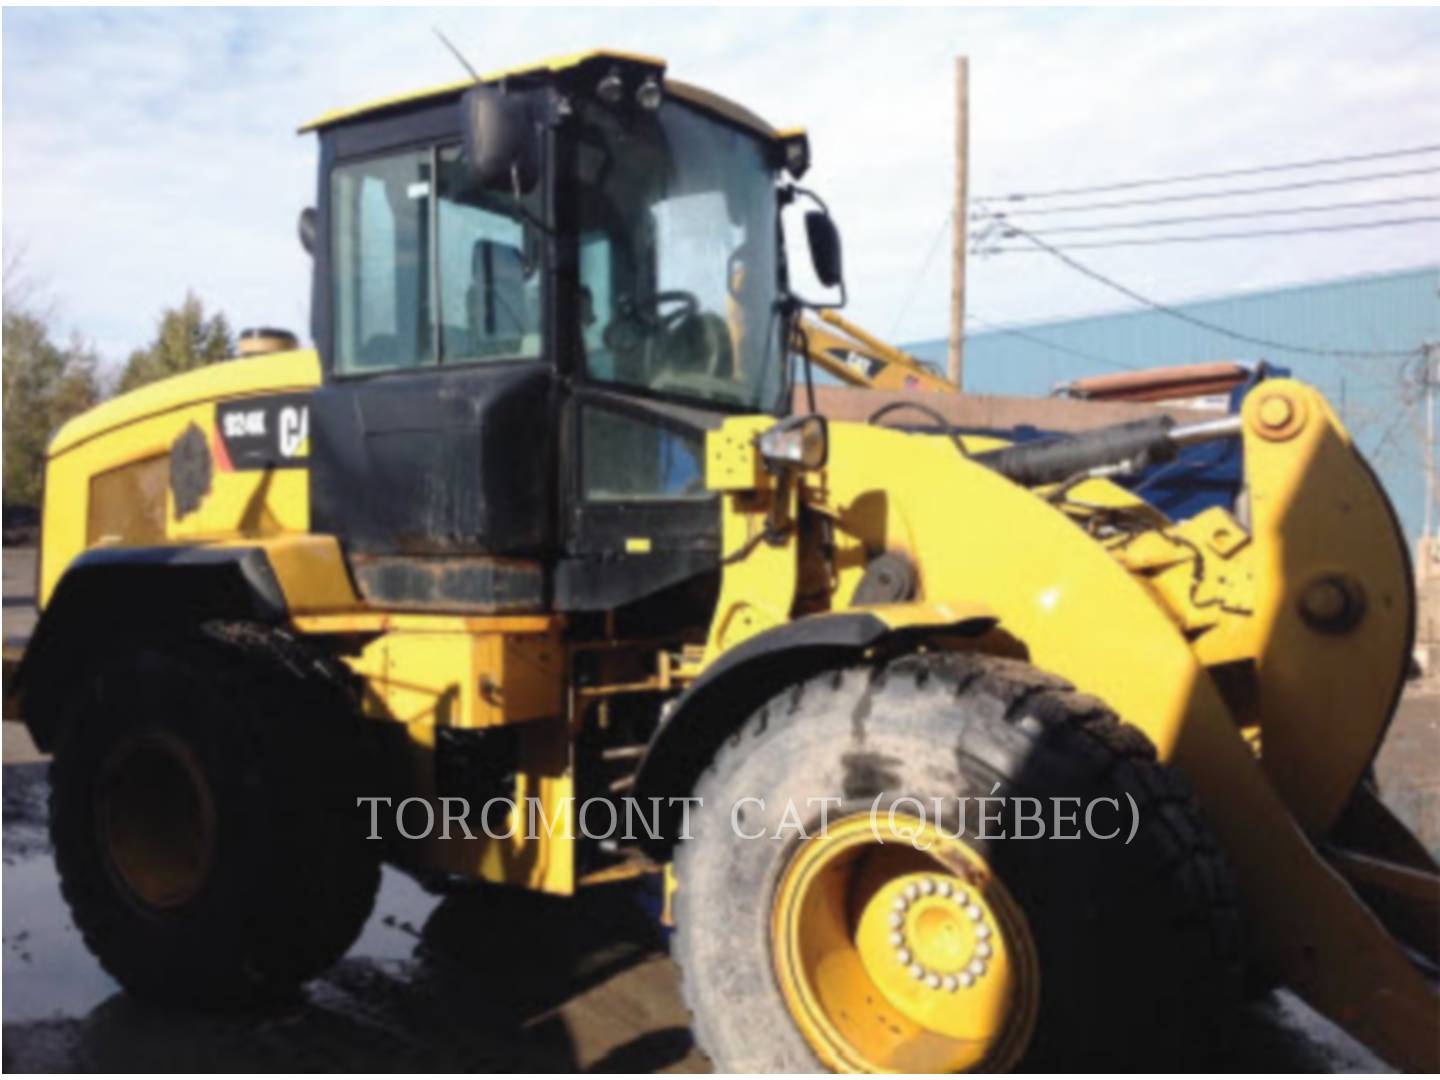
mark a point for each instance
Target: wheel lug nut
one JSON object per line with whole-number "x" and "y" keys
{"x": 897, "y": 920}
{"x": 932, "y": 981}
{"x": 944, "y": 888}
{"x": 966, "y": 979}
{"x": 903, "y": 955}
{"x": 976, "y": 968}
{"x": 927, "y": 886}
{"x": 912, "y": 891}
{"x": 974, "y": 912}
{"x": 983, "y": 950}
{"x": 982, "y": 931}
{"x": 917, "y": 971}
{"x": 951, "y": 983}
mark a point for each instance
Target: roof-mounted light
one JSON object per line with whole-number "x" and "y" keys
{"x": 650, "y": 95}
{"x": 795, "y": 153}
{"x": 610, "y": 89}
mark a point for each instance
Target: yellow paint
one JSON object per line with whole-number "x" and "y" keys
{"x": 1132, "y": 639}
{"x": 637, "y": 545}
{"x": 424, "y": 673}
{"x": 144, "y": 424}
{"x": 311, "y": 571}
{"x": 945, "y": 613}
{"x": 274, "y": 373}
{"x": 460, "y": 677}
{"x": 961, "y": 989}
{"x": 857, "y": 357}
{"x": 1316, "y": 511}
{"x": 757, "y": 591}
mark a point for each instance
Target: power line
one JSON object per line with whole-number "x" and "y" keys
{"x": 1125, "y": 185}
{"x": 919, "y": 277}
{"x": 1191, "y": 219}
{"x": 1151, "y": 241}
{"x": 1266, "y": 189}
{"x": 1054, "y": 346}
{"x": 1204, "y": 324}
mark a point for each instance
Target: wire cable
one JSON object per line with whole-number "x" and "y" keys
{"x": 1150, "y": 241}
{"x": 1126, "y": 185}
{"x": 1205, "y": 324}
{"x": 924, "y": 410}
{"x": 924, "y": 268}
{"x": 1193, "y": 196}
{"x": 1054, "y": 346}
{"x": 1192, "y": 219}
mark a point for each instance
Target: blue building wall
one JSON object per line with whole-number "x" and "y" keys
{"x": 1379, "y": 398}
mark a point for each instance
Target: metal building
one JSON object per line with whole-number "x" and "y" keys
{"x": 1360, "y": 340}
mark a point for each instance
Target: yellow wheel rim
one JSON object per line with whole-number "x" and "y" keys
{"x": 157, "y": 820}
{"x": 897, "y": 959}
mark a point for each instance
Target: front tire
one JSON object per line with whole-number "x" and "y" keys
{"x": 837, "y": 952}
{"x": 204, "y": 820}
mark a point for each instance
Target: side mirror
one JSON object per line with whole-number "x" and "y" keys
{"x": 502, "y": 140}
{"x": 824, "y": 240}
{"x": 306, "y": 227}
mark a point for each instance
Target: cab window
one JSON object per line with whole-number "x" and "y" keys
{"x": 628, "y": 458}
{"x": 415, "y": 283}
{"x": 681, "y": 265}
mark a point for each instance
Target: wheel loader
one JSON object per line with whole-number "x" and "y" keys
{"x": 534, "y": 530}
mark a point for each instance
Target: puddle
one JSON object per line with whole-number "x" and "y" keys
{"x": 48, "y": 971}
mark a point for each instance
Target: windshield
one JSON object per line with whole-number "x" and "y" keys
{"x": 678, "y": 256}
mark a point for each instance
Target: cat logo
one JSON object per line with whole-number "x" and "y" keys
{"x": 294, "y": 430}
{"x": 263, "y": 433}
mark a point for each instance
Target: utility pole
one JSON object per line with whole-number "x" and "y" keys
{"x": 1432, "y": 484}
{"x": 962, "y": 201}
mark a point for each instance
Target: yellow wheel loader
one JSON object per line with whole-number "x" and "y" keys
{"x": 953, "y": 754}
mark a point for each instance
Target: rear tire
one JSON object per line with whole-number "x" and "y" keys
{"x": 1138, "y": 945}
{"x": 203, "y": 814}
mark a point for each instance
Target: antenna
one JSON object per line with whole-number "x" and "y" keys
{"x": 457, "y": 54}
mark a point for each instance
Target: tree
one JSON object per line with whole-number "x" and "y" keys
{"x": 45, "y": 384}
{"x": 186, "y": 338}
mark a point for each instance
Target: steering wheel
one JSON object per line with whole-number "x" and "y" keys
{"x": 649, "y": 312}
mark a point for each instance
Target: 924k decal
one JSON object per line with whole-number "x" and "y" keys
{"x": 263, "y": 432}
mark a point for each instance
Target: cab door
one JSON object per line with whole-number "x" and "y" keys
{"x": 433, "y": 455}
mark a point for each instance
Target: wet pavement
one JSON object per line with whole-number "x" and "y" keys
{"x": 487, "y": 980}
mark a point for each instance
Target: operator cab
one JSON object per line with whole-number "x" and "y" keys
{"x": 533, "y": 295}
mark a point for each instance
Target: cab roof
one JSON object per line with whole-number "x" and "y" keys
{"x": 555, "y": 65}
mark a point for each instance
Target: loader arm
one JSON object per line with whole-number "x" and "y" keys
{"x": 1161, "y": 637}
{"x": 859, "y": 358}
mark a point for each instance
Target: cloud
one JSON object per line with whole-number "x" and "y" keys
{"x": 149, "y": 151}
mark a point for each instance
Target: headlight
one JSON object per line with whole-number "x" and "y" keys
{"x": 801, "y": 442}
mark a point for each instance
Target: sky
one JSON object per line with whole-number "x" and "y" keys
{"x": 151, "y": 151}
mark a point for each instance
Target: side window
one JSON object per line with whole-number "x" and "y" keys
{"x": 379, "y": 253}
{"x": 597, "y": 302}
{"x": 413, "y": 283}
{"x": 626, "y": 458}
{"x": 489, "y": 272}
